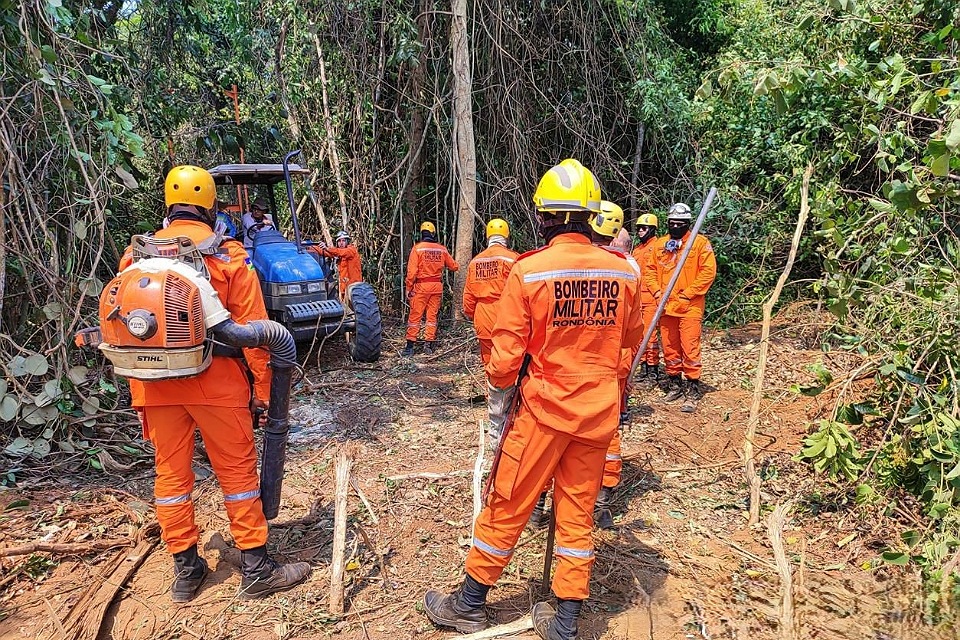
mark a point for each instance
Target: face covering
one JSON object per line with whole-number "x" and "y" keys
{"x": 677, "y": 231}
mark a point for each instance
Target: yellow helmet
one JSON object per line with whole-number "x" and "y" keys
{"x": 498, "y": 227}
{"x": 569, "y": 186}
{"x": 187, "y": 184}
{"x": 647, "y": 220}
{"x": 428, "y": 226}
{"x": 609, "y": 221}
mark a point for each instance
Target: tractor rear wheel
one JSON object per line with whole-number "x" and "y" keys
{"x": 365, "y": 340}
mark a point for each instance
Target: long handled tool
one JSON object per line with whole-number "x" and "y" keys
{"x": 548, "y": 556}
{"x": 665, "y": 294}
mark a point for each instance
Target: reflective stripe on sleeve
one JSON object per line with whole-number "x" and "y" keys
{"x": 613, "y": 456}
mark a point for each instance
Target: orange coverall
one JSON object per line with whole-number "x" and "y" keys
{"x": 613, "y": 461}
{"x": 573, "y": 307}
{"x": 486, "y": 277}
{"x": 641, "y": 253}
{"x": 218, "y": 402}
{"x": 424, "y": 268}
{"x": 680, "y": 325}
{"x": 348, "y": 264}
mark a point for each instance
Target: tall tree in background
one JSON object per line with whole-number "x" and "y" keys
{"x": 465, "y": 153}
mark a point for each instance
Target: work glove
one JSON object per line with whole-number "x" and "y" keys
{"x": 498, "y": 407}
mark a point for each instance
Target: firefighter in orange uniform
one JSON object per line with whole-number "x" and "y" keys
{"x": 568, "y": 309}
{"x": 682, "y": 320}
{"x": 486, "y": 275}
{"x": 606, "y": 230}
{"x": 348, "y": 260}
{"x": 646, "y": 239}
{"x": 218, "y": 401}
{"x": 424, "y": 286}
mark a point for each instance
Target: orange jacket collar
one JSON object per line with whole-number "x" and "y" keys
{"x": 569, "y": 238}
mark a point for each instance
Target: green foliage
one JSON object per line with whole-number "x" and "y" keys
{"x": 833, "y": 450}
{"x": 869, "y": 94}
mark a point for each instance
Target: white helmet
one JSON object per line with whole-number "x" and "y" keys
{"x": 679, "y": 211}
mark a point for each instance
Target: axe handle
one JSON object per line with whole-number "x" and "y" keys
{"x": 548, "y": 556}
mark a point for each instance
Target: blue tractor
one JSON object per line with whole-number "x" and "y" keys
{"x": 301, "y": 288}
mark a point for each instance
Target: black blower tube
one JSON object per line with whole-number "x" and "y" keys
{"x": 283, "y": 358}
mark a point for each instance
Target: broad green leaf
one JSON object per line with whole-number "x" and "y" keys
{"x": 128, "y": 179}
{"x": 48, "y": 53}
{"x": 895, "y": 557}
{"x": 91, "y": 406}
{"x": 19, "y": 447}
{"x": 953, "y": 137}
{"x": 36, "y": 365}
{"x": 705, "y": 90}
{"x": 78, "y": 374}
{"x": 3, "y": 386}
{"x": 17, "y": 366}
{"x": 80, "y": 229}
{"x": 53, "y": 389}
{"x": 91, "y": 286}
{"x": 52, "y": 310}
{"x": 9, "y": 406}
{"x": 954, "y": 473}
{"x": 941, "y": 165}
{"x": 41, "y": 448}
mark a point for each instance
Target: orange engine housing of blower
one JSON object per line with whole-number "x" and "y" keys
{"x": 152, "y": 324}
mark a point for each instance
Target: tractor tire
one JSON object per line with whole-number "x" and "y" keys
{"x": 365, "y": 340}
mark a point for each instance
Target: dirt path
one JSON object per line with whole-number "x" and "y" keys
{"x": 680, "y": 564}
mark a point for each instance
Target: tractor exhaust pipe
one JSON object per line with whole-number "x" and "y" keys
{"x": 283, "y": 358}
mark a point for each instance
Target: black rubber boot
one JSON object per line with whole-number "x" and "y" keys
{"x": 693, "y": 396}
{"x": 262, "y": 575}
{"x": 463, "y": 610}
{"x": 431, "y": 346}
{"x": 408, "y": 350}
{"x": 540, "y": 516}
{"x": 602, "y": 516}
{"x": 559, "y": 623}
{"x": 189, "y": 573}
{"x": 676, "y": 388}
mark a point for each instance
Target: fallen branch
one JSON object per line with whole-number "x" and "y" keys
{"x": 775, "y": 525}
{"x": 363, "y": 499}
{"x": 66, "y": 548}
{"x": 517, "y": 626}
{"x": 753, "y": 479}
{"x": 86, "y": 617}
{"x": 431, "y": 475}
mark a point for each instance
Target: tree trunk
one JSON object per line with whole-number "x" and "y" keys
{"x": 465, "y": 153}
{"x": 641, "y": 131}
{"x": 418, "y": 123}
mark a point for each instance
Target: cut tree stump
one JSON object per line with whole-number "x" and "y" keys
{"x": 342, "y": 474}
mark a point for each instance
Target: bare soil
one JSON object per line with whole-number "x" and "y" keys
{"x": 681, "y": 563}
